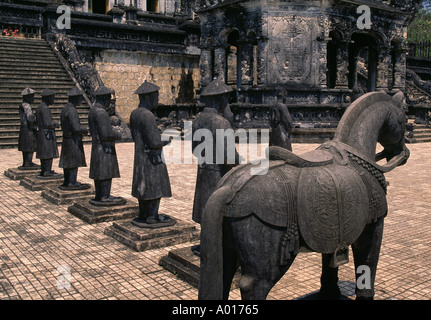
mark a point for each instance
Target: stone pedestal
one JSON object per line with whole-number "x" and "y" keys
{"x": 59, "y": 195}
{"x": 18, "y": 173}
{"x": 38, "y": 183}
{"x": 185, "y": 264}
{"x": 141, "y": 239}
{"x": 94, "y": 214}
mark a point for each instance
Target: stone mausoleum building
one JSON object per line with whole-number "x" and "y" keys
{"x": 314, "y": 49}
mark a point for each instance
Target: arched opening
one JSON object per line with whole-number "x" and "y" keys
{"x": 363, "y": 59}
{"x": 232, "y": 57}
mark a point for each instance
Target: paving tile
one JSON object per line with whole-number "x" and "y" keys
{"x": 37, "y": 237}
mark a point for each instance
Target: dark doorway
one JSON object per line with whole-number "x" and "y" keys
{"x": 363, "y": 59}
{"x": 99, "y": 6}
{"x": 152, "y": 5}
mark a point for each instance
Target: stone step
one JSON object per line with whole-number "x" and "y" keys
{"x": 23, "y": 42}
{"x": 141, "y": 239}
{"x": 42, "y": 46}
{"x": 10, "y": 70}
{"x": 30, "y": 63}
{"x": 34, "y": 55}
{"x": 186, "y": 265}
{"x": 25, "y": 65}
{"x": 30, "y": 68}
{"x": 39, "y": 87}
{"x": 35, "y": 77}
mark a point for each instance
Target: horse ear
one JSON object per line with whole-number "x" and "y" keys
{"x": 398, "y": 99}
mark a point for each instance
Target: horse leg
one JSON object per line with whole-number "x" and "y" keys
{"x": 366, "y": 251}
{"x": 230, "y": 261}
{"x": 329, "y": 279}
{"x": 259, "y": 256}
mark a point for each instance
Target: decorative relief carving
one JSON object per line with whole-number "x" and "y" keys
{"x": 290, "y": 53}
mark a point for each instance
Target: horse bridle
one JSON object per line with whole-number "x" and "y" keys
{"x": 390, "y": 165}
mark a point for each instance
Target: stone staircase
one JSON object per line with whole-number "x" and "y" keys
{"x": 422, "y": 133}
{"x": 31, "y": 63}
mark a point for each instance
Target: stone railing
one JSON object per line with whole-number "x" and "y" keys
{"x": 149, "y": 32}
{"x": 21, "y": 20}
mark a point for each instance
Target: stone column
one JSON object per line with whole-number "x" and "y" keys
{"x": 220, "y": 63}
{"x": 206, "y": 66}
{"x": 342, "y": 62}
{"x": 383, "y": 58}
{"x": 399, "y": 69}
{"x": 131, "y": 14}
{"x": 116, "y": 13}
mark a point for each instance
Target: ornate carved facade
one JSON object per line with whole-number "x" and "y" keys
{"x": 315, "y": 49}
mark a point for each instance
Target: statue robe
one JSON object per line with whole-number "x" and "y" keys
{"x": 72, "y": 150}
{"x": 150, "y": 174}
{"x": 103, "y": 163}
{"x": 28, "y": 129}
{"x": 46, "y": 139}
{"x": 209, "y": 174}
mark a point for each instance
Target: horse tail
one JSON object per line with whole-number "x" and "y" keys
{"x": 211, "y": 251}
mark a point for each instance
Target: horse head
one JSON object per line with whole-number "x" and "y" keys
{"x": 392, "y": 135}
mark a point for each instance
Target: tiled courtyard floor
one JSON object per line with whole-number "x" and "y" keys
{"x": 38, "y": 237}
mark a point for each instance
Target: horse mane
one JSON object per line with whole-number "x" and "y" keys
{"x": 353, "y": 112}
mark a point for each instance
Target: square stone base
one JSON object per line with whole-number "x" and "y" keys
{"x": 38, "y": 183}
{"x": 185, "y": 264}
{"x": 141, "y": 239}
{"x": 18, "y": 174}
{"x": 58, "y": 196}
{"x": 89, "y": 213}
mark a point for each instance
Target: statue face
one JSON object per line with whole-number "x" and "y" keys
{"x": 104, "y": 100}
{"x": 155, "y": 99}
{"x": 29, "y": 98}
{"x": 49, "y": 100}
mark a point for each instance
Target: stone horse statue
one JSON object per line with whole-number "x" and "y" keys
{"x": 322, "y": 201}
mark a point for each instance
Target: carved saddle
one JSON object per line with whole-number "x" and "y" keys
{"x": 313, "y": 158}
{"x": 328, "y": 202}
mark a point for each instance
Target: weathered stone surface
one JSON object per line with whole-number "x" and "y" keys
{"x": 56, "y": 195}
{"x": 125, "y": 71}
{"x": 38, "y": 183}
{"x": 141, "y": 239}
{"x": 18, "y": 174}
{"x": 95, "y": 214}
{"x": 185, "y": 264}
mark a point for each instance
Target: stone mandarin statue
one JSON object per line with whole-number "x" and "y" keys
{"x": 150, "y": 174}
{"x": 281, "y": 123}
{"x": 46, "y": 149}
{"x": 72, "y": 154}
{"x": 28, "y": 130}
{"x": 103, "y": 163}
{"x": 215, "y": 97}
